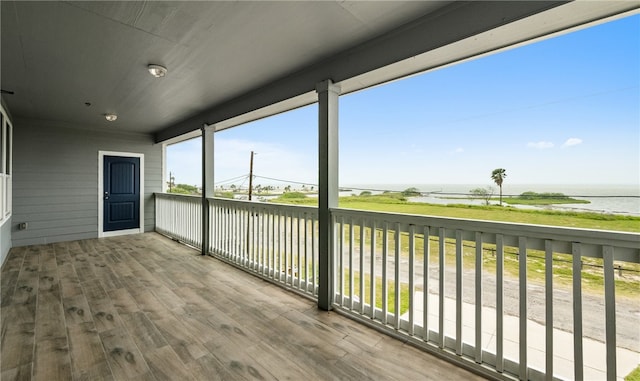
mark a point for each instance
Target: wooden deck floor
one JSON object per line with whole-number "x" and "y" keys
{"x": 146, "y": 308}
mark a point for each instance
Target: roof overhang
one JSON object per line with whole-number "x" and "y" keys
{"x": 233, "y": 62}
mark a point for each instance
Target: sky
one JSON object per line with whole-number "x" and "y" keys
{"x": 564, "y": 110}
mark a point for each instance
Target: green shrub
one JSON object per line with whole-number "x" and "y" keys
{"x": 290, "y": 195}
{"x": 411, "y": 192}
{"x": 224, "y": 194}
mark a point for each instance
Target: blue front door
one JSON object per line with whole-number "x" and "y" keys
{"x": 121, "y": 193}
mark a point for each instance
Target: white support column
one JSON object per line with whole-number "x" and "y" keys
{"x": 165, "y": 184}
{"x": 328, "y": 94}
{"x": 207, "y": 182}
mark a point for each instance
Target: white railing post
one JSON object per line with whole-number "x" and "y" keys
{"x": 328, "y": 186}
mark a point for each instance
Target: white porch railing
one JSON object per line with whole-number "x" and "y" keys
{"x": 501, "y": 296}
{"x": 277, "y": 242}
{"x": 180, "y": 217}
{"x": 469, "y": 283}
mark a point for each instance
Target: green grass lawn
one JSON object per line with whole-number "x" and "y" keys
{"x": 634, "y": 375}
{"x": 396, "y": 204}
{"x": 366, "y": 290}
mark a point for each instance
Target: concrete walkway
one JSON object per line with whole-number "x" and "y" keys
{"x": 594, "y": 351}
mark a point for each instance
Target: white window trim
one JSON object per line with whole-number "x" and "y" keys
{"x": 6, "y": 184}
{"x": 140, "y": 229}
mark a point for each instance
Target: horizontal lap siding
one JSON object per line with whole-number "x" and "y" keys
{"x": 55, "y": 179}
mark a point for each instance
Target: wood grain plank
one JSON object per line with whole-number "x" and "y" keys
{"x": 236, "y": 360}
{"x": 123, "y": 356}
{"x": 167, "y": 297}
{"x": 21, "y": 373}
{"x": 123, "y": 301}
{"x": 14, "y": 259}
{"x": 88, "y": 359}
{"x": 8, "y": 287}
{"x": 194, "y": 300}
{"x": 208, "y": 367}
{"x": 50, "y": 322}
{"x": 104, "y": 314}
{"x": 76, "y": 310}
{"x": 84, "y": 269}
{"x": 52, "y": 361}
{"x": 69, "y": 281}
{"x": 187, "y": 346}
{"x": 93, "y": 290}
{"x": 143, "y": 332}
{"x": 149, "y": 303}
{"x": 166, "y": 365}
{"x": 20, "y": 337}
{"x": 48, "y": 259}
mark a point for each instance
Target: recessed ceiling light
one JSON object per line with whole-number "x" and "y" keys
{"x": 157, "y": 70}
{"x": 110, "y": 117}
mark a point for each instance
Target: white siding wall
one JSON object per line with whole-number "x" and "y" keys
{"x": 55, "y": 181}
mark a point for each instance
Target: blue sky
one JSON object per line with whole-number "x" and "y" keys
{"x": 561, "y": 111}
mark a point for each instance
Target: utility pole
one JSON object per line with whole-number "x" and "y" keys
{"x": 171, "y": 180}
{"x": 251, "y": 176}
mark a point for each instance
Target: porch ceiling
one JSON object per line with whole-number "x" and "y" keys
{"x": 226, "y": 59}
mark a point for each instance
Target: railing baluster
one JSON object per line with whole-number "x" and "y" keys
{"x": 351, "y": 243}
{"x": 278, "y": 254}
{"x": 289, "y": 268}
{"x": 577, "y": 313}
{"x": 499, "y": 303}
{"x": 362, "y": 293}
{"x": 610, "y": 311}
{"x": 306, "y": 252}
{"x": 385, "y": 294}
{"x": 271, "y": 269}
{"x": 522, "y": 274}
{"x": 341, "y": 260}
{"x": 478, "y": 298}
{"x": 313, "y": 255}
{"x": 548, "y": 320}
{"x": 288, "y": 246}
{"x": 372, "y": 282}
{"x": 441, "y": 268}
{"x": 425, "y": 282}
{"x": 412, "y": 286}
{"x": 396, "y": 278}
{"x": 298, "y": 266}
{"x": 459, "y": 292}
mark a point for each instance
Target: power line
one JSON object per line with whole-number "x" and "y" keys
{"x": 231, "y": 180}
{"x": 284, "y": 181}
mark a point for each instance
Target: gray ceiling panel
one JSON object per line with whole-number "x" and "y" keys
{"x": 224, "y": 58}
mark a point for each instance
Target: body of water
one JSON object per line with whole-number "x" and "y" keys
{"x": 618, "y": 199}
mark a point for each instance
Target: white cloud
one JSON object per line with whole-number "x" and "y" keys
{"x": 540, "y": 145}
{"x": 572, "y": 142}
{"x": 457, "y": 150}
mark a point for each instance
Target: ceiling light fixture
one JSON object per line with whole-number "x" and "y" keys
{"x": 157, "y": 70}
{"x": 110, "y": 117}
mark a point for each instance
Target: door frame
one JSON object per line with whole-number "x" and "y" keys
{"x": 140, "y": 229}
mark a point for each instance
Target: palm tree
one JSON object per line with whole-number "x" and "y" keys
{"x": 498, "y": 176}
